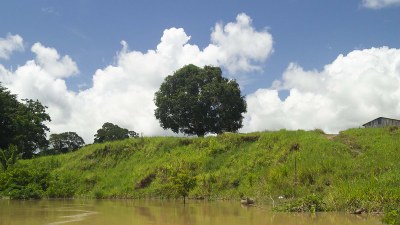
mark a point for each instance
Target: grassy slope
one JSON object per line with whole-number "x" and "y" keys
{"x": 358, "y": 168}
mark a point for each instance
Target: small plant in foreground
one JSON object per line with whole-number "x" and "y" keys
{"x": 392, "y": 217}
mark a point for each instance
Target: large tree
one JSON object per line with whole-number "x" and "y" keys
{"x": 65, "y": 142}
{"x": 197, "y": 101}
{"x": 22, "y": 124}
{"x": 111, "y": 132}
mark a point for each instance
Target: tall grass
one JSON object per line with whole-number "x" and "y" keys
{"x": 357, "y": 169}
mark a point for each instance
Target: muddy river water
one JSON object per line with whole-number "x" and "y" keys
{"x": 132, "y": 212}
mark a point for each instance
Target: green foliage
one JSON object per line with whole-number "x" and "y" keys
{"x": 27, "y": 180}
{"x": 319, "y": 131}
{"x": 329, "y": 174}
{"x": 24, "y": 183}
{"x": 9, "y": 156}
{"x": 206, "y": 184}
{"x": 22, "y": 124}
{"x": 9, "y": 106}
{"x": 182, "y": 181}
{"x": 62, "y": 186}
{"x": 111, "y": 132}
{"x": 30, "y": 191}
{"x": 199, "y": 101}
{"x": 310, "y": 203}
{"x": 64, "y": 142}
{"x": 392, "y": 216}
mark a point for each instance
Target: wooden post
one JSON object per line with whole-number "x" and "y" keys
{"x": 295, "y": 148}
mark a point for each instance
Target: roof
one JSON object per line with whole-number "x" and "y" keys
{"x": 380, "y": 118}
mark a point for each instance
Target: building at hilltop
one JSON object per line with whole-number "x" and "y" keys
{"x": 382, "y": 122}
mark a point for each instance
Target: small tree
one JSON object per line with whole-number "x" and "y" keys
{"x": 65, "y": 142}
{"x": 182, "y": 182}
{"x": 111, "y": 132}
{"x": 198, "y": 101}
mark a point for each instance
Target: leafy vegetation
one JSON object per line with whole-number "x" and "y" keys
{"x": 22, "y": 124}
{"x": 8, "y": 157}
{"x": 182, "y": 181}
{"x": 392, "y": 216}
{"x": 112, "y": 132}
{"x": 357, "y": 169}
{"x": 198, "y": 101}
{"x": 64, "y": 142}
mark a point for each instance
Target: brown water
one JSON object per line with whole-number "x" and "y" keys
{"x": 121, "y": 212}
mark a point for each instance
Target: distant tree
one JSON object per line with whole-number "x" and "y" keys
{"x": 197, "y": 101}
{"x": 22, "y": 124}
{"x": 111, "y": 132}
{"x": 65, "y": 142}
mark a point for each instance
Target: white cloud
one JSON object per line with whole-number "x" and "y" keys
{"x": 232, "y": 42}
{"x": 123, "y": 93}
{"x": 9, "y": 44}
{"x": 350, "y": 91}
{"x": 49, "y": 60}
{"x": 378, "y": 4}
{"x": 40, "y": 79}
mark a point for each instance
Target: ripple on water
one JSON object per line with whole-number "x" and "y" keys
{"x": 81, "y": 215}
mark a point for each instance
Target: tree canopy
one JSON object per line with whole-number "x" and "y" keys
{"x": 111, "y": 132}
{"x": 65, "y": 142}
{"x": 22, "y": 124}
{"x": 197, "y": 101}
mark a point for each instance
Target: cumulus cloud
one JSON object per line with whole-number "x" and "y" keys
{"x": 40, "y": 79}
{"x": 233, "y": 43}
{"x": 49, "y": 60}
{"x": 378, "y": 4}
{"x": 350, "y": 91}
{"x": 123, "y": 93}
{"x": 10, "y": 44}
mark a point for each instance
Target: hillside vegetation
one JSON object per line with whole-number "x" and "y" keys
{"x": 358, "y": 169}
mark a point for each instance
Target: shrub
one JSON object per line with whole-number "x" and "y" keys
{"x": 24, "y": 183}
{"x": 392, "y": 217}
{"x": 62, "y": 186}
{"x": 310, "y": 203}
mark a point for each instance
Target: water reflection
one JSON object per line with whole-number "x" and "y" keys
{"x": 78, "y": 215}
{"x": 132, "y": 212}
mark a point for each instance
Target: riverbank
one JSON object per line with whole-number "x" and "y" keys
{"x": 308, "y": 171}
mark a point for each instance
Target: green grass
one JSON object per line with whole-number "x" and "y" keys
{"x": 359, "y": 168}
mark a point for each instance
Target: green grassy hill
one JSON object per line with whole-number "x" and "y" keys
{"x": 359, "y": 168}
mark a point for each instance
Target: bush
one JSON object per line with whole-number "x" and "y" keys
{"x": 30, "y": 191}
{"x": 62, "y": 186}
{"x": 319, "y": 131}
{"x": 311, "y": 203}
{"x": 392, "y": 217}
{"x": 24, "y": 183}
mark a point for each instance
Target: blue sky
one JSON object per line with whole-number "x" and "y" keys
{"x": 311, "y": 33}
{"x": 324, "y": 55}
